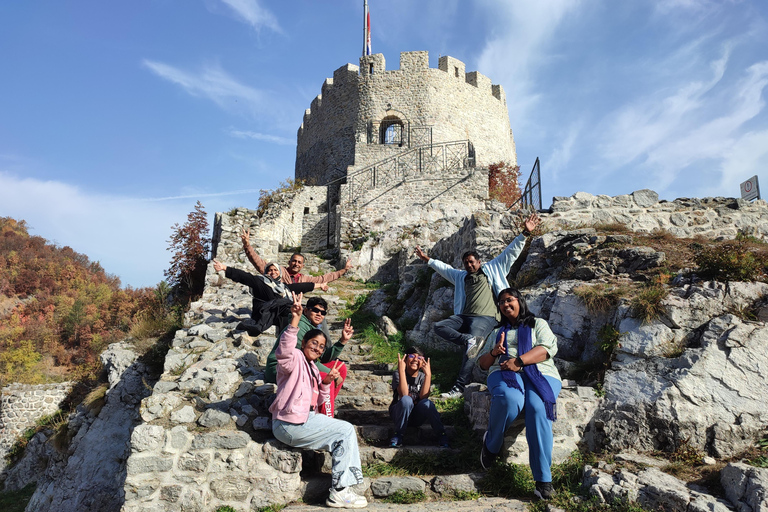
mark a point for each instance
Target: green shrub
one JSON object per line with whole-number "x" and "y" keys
{"x": 734, "y": 260}
{"x": 608, "y": 336}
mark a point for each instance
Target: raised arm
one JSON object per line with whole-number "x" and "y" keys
{"x": 250, "y": 253}
{"x": 427, "y": 369}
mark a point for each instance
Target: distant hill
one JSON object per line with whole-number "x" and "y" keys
{"x": 58, "y": 309}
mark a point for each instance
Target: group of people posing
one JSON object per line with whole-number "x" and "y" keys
{"x": 491, "y": 323}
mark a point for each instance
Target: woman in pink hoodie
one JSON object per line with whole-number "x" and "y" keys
{"x": 295, "y": 422}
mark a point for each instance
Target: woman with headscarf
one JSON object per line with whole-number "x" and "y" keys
{"x": 522, "y": 374}
{"x": 271, "y": 297}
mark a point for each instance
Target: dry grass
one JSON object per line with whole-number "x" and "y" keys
{"x": 600, "y": 298}
{"x": 646, "y": 304}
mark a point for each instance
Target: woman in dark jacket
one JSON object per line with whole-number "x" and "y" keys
{"x": 271, "y": 297}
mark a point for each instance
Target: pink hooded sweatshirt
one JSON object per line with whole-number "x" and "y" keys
{"x": 299, "y": 383}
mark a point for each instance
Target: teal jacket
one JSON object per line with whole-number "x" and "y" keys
{"x": 495, "y": 270}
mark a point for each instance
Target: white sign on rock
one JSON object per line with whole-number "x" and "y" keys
{"x": 750, "y": 189}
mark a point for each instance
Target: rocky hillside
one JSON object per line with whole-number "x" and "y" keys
{"x": 666, "y": 368}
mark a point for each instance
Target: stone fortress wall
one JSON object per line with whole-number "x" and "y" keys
{"x": 21, "y": 405}
{"x": 641, "y": 211}
{"x": 342, "y": 127}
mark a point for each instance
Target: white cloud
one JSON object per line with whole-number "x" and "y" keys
{"x": 696, "y": 125}
{"x": 127, "y": 235}
{"x": 517, "y": 47}
{"x": 562, "y": 155}
{"x": 214, "y": 84}
{"x": 244, "y": 134}
{"x": 253, "y": 13}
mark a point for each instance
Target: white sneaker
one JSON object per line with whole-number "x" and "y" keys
{"x": 345, "y": 498}
{"x": 472, "y": 347}
{"x": 453, "y": 393}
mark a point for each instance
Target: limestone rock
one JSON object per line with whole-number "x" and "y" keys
{"x": 746, "y": 486}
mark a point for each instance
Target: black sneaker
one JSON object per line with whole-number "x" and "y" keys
{"x": 486, "y": 457}
{"x": 544, "y": 490}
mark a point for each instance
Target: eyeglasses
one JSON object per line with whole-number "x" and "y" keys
{"x": 318, "y": 311}
{"x": 411, "y": 356}
{"x": 315, "y": 343}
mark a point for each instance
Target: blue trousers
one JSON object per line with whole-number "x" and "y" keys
{"x": 405, "y": 413}
{"x": 458, "y": 329}
{"x": 506, "y": 404}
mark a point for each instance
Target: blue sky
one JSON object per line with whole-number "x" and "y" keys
{"x": 115, "y": 117}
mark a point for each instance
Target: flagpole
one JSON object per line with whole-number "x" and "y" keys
{"x": 365, "y": 26}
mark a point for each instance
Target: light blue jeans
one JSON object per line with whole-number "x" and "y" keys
{"x": 506, "y": 404}
{"x": 320, "y": 432}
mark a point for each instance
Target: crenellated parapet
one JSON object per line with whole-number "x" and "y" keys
{"x": 367, "y": 113}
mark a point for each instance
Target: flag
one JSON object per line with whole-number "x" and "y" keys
{"x": 368, "y": 34}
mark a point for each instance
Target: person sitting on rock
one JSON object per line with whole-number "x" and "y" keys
{"x": 271, "y": 297}
{"x": 474, "y": 307}
{"x": 522, "y": 375}
{"x": 295, "y": 420}
{"x": 291, "y": 273}
{"x": 314, "y": 318}
{"x": 411, "y": 405}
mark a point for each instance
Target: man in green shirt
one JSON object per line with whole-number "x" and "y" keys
{"x": 474, "y": 299}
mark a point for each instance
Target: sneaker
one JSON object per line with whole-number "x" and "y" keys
{"x": 473, "y": 347}
{"x": 345, "y": 498}
{"x": 396, "y": 442}
{"x": 544, "y": 490}
{"x": 455, "y": 392}
{"x": 486, "y": 457}
{"x": 443, "y": 442}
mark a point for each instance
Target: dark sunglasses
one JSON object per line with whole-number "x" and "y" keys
{"x": 318, "y": 311}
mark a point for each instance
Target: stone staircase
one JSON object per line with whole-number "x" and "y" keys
{"x": 205, "y": 436}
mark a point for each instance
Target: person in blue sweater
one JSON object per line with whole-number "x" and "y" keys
{"x": 474, "y": 299}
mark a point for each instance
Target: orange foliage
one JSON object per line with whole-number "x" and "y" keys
{"x": 503, "y": 183}
{"x": 68, "y": 309}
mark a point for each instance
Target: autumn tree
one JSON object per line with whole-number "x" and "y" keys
{"x": 190, "y": 246}
{"x": 504, "y": 183}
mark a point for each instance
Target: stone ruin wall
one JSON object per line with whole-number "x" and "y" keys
{"x": 405, "y": 204}
{"x": 21, "y": 405}
{"x": 294, "y": 220}
{"x": 456, "y": 104}
{"x": 641, "y": 211}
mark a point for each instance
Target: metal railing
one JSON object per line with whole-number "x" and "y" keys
{"x": 531, "y": 197}
{"x": 413, "y": 163}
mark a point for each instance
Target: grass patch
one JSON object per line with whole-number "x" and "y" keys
{"x": 452, "y": 412}
{"x": 269, "y": 508}
{"x": 646, "y": 305}
{"x": 16, "y": 501}
{"x": 611, "y": 228}
{"x": 600, "y": 298}
{"x": 508, "y": 480}
{"x": 445, "y": 369}
{"x": 465, "y": 495}
{"x": 405, "y": 497}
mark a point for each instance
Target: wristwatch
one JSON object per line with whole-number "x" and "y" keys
{"x": 519, "y": 362}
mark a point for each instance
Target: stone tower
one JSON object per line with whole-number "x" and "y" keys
{"x": 366, "y": 114}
